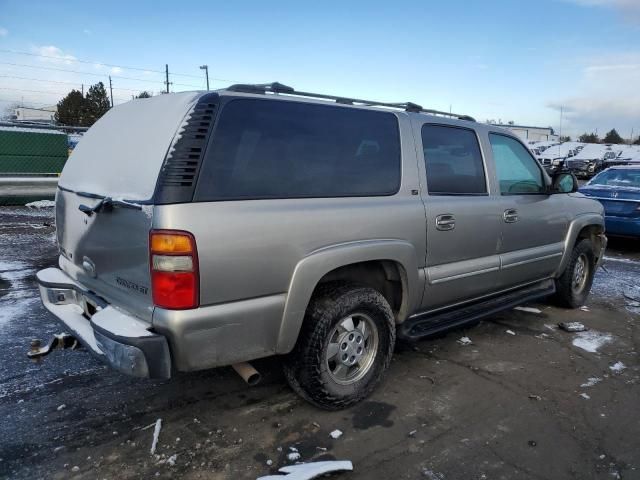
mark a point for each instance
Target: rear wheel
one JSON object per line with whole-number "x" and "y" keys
{"x": 344, "y": 347}
{"x": 574, "y": 285}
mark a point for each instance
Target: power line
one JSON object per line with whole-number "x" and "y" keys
{"x": 60, "y": 82}
{"x": 45, "y": 92}
{"x": 146, "y": 80}
{"x": 89, "y": 62}
{"x": 73, "y": 59}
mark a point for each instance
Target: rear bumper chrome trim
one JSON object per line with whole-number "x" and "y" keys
{"x": 114, "y": 336}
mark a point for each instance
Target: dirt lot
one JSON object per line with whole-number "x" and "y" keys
{"x": 523, "y": 400}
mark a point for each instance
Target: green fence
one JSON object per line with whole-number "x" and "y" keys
{"x": 31, "y": 159}
{"x": 32, "y": 151}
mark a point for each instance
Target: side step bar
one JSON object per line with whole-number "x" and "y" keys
{"x": 424, "y": 325}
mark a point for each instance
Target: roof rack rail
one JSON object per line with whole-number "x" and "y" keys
{"x": 276, "y": 87}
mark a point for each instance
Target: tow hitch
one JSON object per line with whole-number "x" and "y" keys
{"x": 61, "y": 340}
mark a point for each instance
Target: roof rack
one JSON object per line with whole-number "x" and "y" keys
{"x": 275, "y": 87}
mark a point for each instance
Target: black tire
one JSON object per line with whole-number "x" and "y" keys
{"x": 567, "y": 295}
{"x": 307, "y": 368}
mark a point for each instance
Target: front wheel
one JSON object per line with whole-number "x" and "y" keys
{"x": 344, "y": 347}
{"x": 574, "y": 285}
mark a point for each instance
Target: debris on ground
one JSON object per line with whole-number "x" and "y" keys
{"x": 572, "y": 326}
{"x": 156, "y": 435}
{"x": 535, "y": 397}
{"x": 617, "y": 367}
{"x": 510, "y": 332}
{"x": 585, "y": 396}
{"x": 528, "y": 309}
{"x": 591, "y": 381}
{"x": 172, "y": 459}
{"x": 591, "y": 340}
{"x": 464, "y": 341}
{"x": 293, "y": 455}
{"x": 412, "y": 433}
{"x": 584, "y": 308}
{"x": 75, "y": 469}
{"x": 61, "y": 407}
{"x": 308, "y": 471}
{"x": 336, "y": 434}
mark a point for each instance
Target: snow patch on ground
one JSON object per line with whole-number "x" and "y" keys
{"x": 336, "y": 434}
{"x": 591, "y": 381}
{"x": 41, "y": 204}
{"x": 617, "y": 367}
{"x": 622, "y": 260}
{"x": 528, "y": 309}
{"x": 591, "y": 340}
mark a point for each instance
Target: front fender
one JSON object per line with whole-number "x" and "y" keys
{"x": 576, "y": 226}
{"x": 318, "y": 263}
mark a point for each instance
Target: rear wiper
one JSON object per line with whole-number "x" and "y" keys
{"x": 107, "y": 204}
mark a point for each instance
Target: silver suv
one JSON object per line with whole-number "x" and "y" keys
{"x": 204, "y": 229}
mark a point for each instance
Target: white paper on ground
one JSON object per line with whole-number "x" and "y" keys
{"x": 308, "y": 471}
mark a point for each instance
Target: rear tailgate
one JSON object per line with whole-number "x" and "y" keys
{"x": 107, "y": 252}
{"x": 119, "y": 159}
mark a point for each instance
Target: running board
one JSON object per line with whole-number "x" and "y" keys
{"x": 424, "y": 325}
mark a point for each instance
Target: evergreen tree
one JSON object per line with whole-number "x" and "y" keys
{"x": 588, "y": 138}
{"x": 613, "y": 137}
{"x": 71, "y": 109}
{"x": 144, "y": 94}
{"x": 96, "y": 104}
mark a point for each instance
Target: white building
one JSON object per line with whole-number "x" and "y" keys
{"x": 28, "y": 114}
{"x": 531, "y": 134}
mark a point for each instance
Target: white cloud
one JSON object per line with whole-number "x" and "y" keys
{"x": 606, "y": 95}
{"x": 3, "y": 32}
{"x": 116, "y": 70}
{"x": 626, "y": 7}
{"x": 53, "y": 54}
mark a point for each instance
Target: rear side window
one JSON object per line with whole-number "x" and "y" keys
{"x": 518, "y": 172}
{"x": 453, "y": 161}
{"x": 278, "y": 149}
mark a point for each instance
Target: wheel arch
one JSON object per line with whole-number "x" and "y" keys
{"x": 589, "y": 226}
{"x": 386, "y": 260}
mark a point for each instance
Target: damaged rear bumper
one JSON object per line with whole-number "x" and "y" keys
{"x": 115, "y": 337}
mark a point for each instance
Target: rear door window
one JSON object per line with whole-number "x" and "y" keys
{"x": 518, "y": 172}
{"x": 453, "y": 161}
{"x": 284, "y": 149}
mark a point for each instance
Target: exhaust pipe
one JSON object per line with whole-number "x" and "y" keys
{"x": 249, "y": 374}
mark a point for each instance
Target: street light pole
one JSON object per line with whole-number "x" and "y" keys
{"x": 206, "y": 72}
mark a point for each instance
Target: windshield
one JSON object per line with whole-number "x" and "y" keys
{"x": 618, "y": 178}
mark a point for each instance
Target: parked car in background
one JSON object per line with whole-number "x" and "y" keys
{"x": 553, "y": 157}
{"x": 618, "y": 189}
{"x": 589, "y": 160}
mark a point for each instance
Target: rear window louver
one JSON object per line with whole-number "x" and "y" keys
{"x": 180, "y": 170}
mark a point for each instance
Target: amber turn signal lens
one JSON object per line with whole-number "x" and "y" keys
{"x": 170, "y": 243}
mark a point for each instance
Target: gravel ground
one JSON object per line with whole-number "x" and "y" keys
{"x": 522, "y": 400}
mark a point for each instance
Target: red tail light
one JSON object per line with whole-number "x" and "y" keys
{"x": 174, "y": 269}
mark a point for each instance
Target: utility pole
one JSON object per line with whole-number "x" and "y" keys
{"x": 166, "y": 74}
{"x": 83, "y": 89}
{"x": 206, "y": 72}
{"x": 111, "y": 90}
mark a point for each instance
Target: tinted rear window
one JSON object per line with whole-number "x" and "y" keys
{"x": 281, "y": 149}
{"x": 453, "y": 161}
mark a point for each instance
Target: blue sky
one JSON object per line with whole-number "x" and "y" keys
{"x": 501, "y": 59}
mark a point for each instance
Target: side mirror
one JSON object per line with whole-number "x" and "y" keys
{"x": 564, "y": 182}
